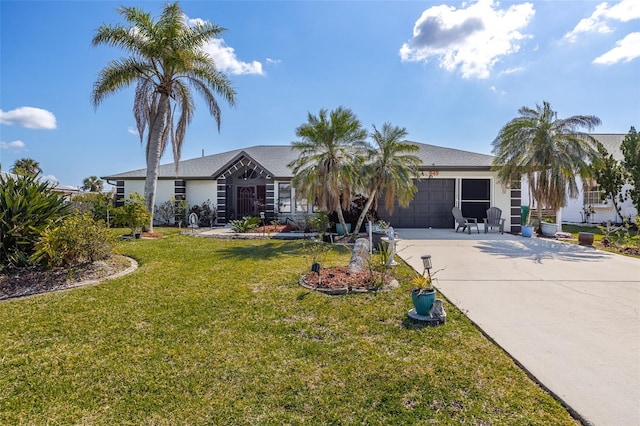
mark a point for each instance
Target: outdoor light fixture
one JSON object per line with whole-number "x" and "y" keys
{"x": 426, "y": 261}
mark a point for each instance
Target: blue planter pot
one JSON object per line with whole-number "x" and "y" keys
{"x": 423, "y": 302}
{"x": 339, "y": 229}
{"x": 527, "y": 231}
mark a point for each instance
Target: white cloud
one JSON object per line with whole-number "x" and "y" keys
{"x": 14, "y": 146}
{"x": 225, "y": 56}
{"x": 513, "y": 70}
{"x": 626, "y": 50}
{"x": 471, "y": 39}
{"x": 598, "y": 22}
{"x": 51, "y": 178}
{"x": 494, "y": 90}
{"x": 273, "y": 61}
{"x": 133, "y": 131}
{"x": 29, "y": 117}
{"x": 226, "y": 60}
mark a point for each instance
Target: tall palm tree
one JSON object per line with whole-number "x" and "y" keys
{"x": 26, "y": 167}
{"x": 549, "y": 151}
{"x": 332, "y": 146}
{"x": 389, "y": 170}
{"x": 92, "y": 184}
{"x": 166, "y": 63}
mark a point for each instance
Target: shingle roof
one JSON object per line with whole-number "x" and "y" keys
{"x": 274, "y": 158}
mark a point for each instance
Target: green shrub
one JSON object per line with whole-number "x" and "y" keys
{"x": 207, "y": 213}
{"x": 79, "y": 238}
{"x": 246, "y": 224}
{"x": 171, "y": 211}
{"x": 27, "y": 207}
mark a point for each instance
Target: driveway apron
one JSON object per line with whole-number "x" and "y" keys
{"x": 570, "y": 315}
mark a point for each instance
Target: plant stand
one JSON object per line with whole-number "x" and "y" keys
{"x": 429, "y": 320}
{"x": 392, "y": 246}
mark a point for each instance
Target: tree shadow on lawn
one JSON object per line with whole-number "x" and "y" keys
{"x": 270, "y": 250}
{"x": 538, "y": 250}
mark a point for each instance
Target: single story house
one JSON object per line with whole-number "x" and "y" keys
{"x": 256, "y": 179}
{"x": 591, "y": 206}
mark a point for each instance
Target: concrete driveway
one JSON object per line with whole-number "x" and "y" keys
{"x": 570, "y": 315}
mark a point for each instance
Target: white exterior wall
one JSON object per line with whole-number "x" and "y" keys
{"x": 131, "y": 186}
{"x": 199, "y": 191}
{"x": 571, "y": 213}
{"x": 164, "y": 191}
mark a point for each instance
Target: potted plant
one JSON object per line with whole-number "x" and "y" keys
{"x": 423, "y": 295}
{"x": 548, "y": 227}
{"x": 379, "y": 230}
{"x": 527, "y": 227}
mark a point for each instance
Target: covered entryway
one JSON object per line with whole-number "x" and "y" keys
{"x": 430, "y": 207}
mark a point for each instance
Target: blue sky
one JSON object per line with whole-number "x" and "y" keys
{"x": 453, "y": 73}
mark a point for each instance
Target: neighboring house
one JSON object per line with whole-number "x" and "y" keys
{"x": 65, "y": 191}
{"x": 256, "y": 179}
{"x": 590, "y": 206}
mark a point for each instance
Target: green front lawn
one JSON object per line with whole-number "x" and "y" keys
{"x": 218, "y": 332}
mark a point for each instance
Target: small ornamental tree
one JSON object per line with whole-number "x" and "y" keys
{"x": 610, "y": 175}
{"x": 134, "y": 213}
{"x": 631, "y": 150}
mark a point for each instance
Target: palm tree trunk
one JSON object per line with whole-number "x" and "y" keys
{"x": 365, "y": 210}
{"x": 341, "y": 219}
{"x": 153, "y": 157}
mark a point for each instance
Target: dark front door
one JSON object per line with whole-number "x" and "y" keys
{"x": 430, "y": 207}
{"x": 245, "y": 201}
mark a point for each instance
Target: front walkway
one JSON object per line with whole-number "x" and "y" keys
{"x": 570, "y": 315}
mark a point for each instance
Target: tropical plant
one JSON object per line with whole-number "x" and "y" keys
{"x": 389, "y": 170}
{"x": 92, "y": 184}
{"x": 26, "y": 167}
{"x": 246, "y": 224}
{"x": 631, "y": 150}
{"x": 27, "y": 207}
{"x": 550, "y": 152}
{"x": 78, "y": 238}
{"x": 332, "y": 146}
{"x": 610, "y": 175}
{"x": 166, "y": 63}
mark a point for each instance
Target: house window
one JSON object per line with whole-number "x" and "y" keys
{"x": 592, "y": 194}
{"x": 302, "y": 206}
{"x": 284, "y": 200}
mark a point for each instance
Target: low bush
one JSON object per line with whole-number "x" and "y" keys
{"x": 78, "y": 239}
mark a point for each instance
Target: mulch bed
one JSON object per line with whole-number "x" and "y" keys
{"x": 341, "y": 281}
{"x": 28, "y": 281}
